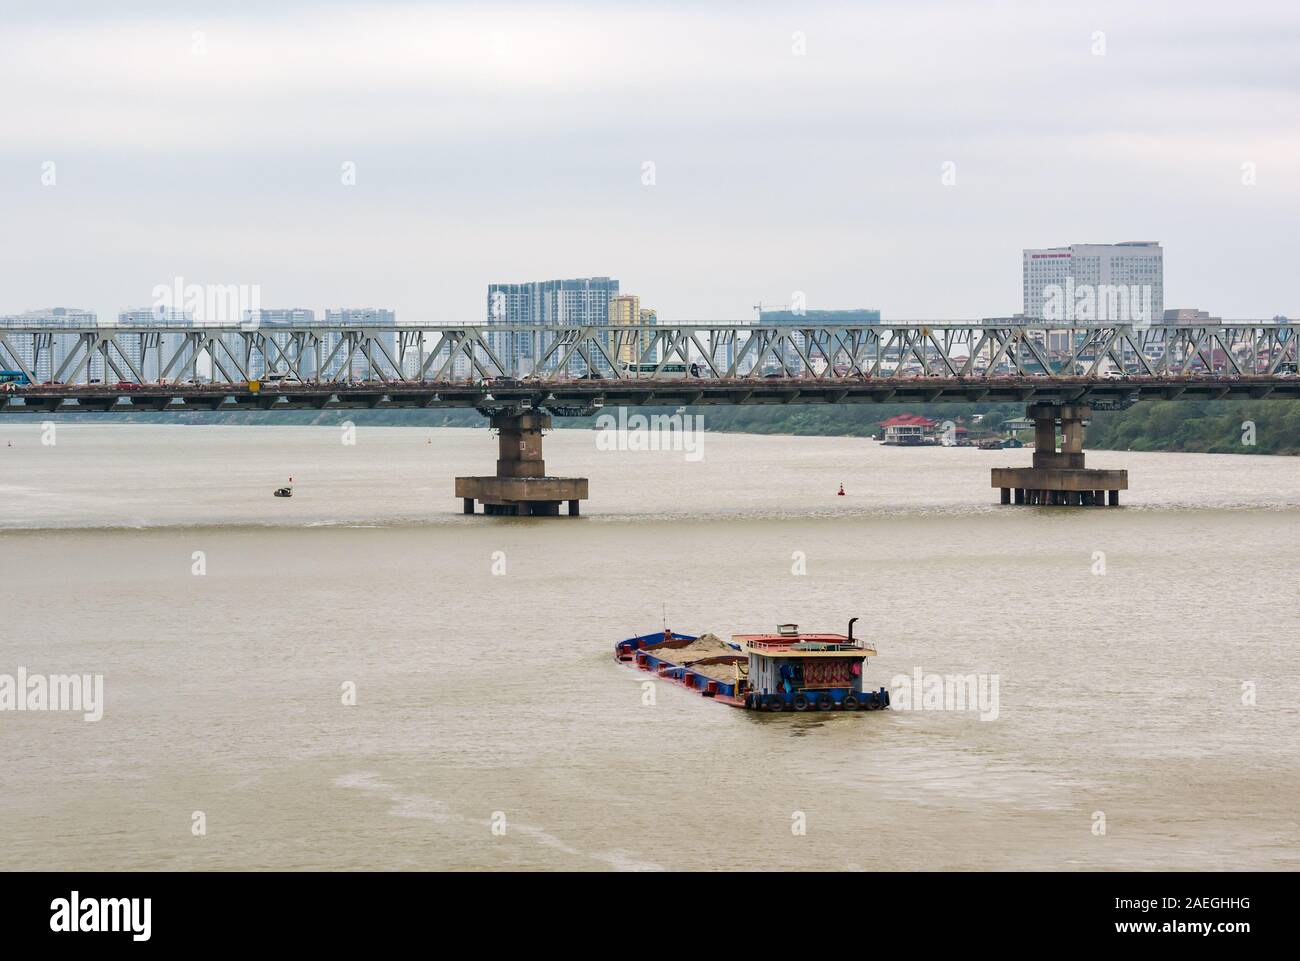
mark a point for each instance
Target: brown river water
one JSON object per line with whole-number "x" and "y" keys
{"x": 1146, "y": 659}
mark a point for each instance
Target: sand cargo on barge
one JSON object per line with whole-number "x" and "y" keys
{"x": 785, "y": 671}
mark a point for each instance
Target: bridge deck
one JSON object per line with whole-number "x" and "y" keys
{"x": 583, "y": 396}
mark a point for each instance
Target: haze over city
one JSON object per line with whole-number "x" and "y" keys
{"x": 793, "y": 149}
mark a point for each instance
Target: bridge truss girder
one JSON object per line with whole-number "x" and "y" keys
{"x": 975, "y": 352}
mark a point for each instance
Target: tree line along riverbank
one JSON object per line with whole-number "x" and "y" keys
{"x": 1217, "y": 427}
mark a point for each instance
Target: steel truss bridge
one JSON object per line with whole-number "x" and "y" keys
{"x": 574, "y": 370}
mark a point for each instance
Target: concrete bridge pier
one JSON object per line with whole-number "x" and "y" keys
{"x": 1058, "y": 477}
{"x": 521, "y": 486}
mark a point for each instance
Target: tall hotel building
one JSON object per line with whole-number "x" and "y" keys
{"x": 581, "y": 302}
{"x": 1053, "y": 274}
{"x": 1136, "y": 263}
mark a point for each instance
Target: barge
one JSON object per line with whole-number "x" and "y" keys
{"x": 785, "y": 671}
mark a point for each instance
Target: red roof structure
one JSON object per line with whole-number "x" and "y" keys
{"x": 908, "y": 420}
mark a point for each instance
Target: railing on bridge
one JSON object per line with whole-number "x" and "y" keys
{"x": 326, "y": 354}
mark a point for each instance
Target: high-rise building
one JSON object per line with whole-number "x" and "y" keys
{"x": 147, "y": 357}
{"x": 1084, "y": 283}
{"x": 723, "y": 349}
{"x": 580, "y": 302}
{"x": 282, "y": 358}
{"x": 649, "y": 318}
{"x": 357, "y": 366}
{"x": 625, "y": 310}
{"x": 43, "y": 357}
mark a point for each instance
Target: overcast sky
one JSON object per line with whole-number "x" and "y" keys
{"x": 796, "y": 147}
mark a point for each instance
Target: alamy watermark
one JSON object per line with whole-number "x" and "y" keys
{"x": 639, "y": 432}
{"x": 75, "y": 914}
{"x": 209, "y": 303}
{"x": 922, "y": 691}
{"x": 1121, "y": 303}
{"x": 53, "y": 692}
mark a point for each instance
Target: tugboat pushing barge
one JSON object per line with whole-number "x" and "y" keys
{"x": 785, "y": 671}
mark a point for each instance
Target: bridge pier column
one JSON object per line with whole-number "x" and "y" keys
{"x": 521, "y": 486}
{"x": 1059, "y": 477}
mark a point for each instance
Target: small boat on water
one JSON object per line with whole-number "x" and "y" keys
{"x": 785, "y": 671}
{"x": 284, "y": 492}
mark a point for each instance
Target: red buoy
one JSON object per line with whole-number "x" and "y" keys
{"x": 841, "y": 493}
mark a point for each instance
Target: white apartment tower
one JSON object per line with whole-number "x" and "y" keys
{"x": 356, "y": 366}
{"x": 148, "y": 360}
{"x": 267, "y": 320}
{"x": 43, "y": 356}
{"x": 578, "y": 302}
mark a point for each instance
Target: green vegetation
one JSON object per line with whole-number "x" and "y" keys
{"x": 1215, "y": 427}
{"x": 1184, "y": 425}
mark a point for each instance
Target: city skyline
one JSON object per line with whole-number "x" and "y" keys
{"x": 590, "y": 298}
{"x": 836, "y": 151}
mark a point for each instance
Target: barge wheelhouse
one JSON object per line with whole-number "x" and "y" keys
{"x": 801, "y": 672}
